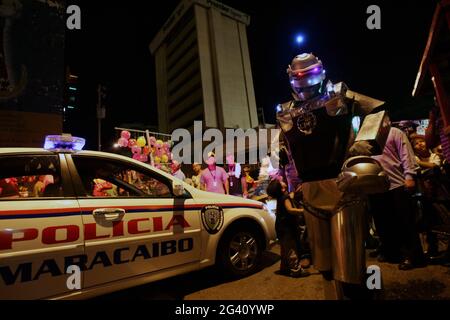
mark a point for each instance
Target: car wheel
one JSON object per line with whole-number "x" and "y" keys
{"x": 240, "y": 251}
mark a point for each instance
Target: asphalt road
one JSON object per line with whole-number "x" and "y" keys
{"x": 431, "y": 282}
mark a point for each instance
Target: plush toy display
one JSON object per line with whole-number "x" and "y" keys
{"x": 145, "y": 150}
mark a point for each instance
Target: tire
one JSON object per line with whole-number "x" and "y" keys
{"x": 239, "y": 253}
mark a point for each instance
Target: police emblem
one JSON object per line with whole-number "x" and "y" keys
{"x": 212, "y": 218}
{"x": 306, "y": 122}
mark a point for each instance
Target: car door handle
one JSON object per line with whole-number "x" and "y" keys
{"x": 110, "y": 214}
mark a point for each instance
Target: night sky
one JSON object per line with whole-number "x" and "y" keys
{"x": 112, "y": 49}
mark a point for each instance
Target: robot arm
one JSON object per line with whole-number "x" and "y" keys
{"x": 373, "y": 133}
{"x": 375, "y": 126}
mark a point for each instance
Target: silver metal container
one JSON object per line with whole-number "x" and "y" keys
{"x": 349, "y": 229}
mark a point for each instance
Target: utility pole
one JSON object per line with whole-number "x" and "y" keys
{"x": 101, "y": 112}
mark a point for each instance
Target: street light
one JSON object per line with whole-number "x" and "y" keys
{"x": 299, "y": 39}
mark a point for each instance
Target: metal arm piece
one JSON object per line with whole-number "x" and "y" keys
{"x": 372, "y": 135}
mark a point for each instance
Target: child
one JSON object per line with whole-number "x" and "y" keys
{"x": 287, "y": 230}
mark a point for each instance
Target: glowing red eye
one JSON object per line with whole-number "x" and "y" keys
{"x": 299, "y": 74}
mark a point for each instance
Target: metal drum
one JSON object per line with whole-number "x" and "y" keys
{"x": 349, "y": 225}
{"x": 348, "y": 232}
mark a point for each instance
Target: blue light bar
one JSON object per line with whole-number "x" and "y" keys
{"x": 64, "y": 142}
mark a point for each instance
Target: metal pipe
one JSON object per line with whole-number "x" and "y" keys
{"x": 144, "y": 131}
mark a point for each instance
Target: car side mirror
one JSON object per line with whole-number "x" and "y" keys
{"x": 178, "y": 188}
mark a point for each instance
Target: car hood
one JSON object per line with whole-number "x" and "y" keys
{"x": 211, "y": 197}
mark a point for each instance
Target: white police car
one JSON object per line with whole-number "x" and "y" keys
{"x": 120, "y": 222}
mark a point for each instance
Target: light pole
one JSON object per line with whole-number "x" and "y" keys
{"x": 101, "y": 112}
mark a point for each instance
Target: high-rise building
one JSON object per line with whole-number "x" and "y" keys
{"x": 203, "y": 68}
{"x": 32, "y": 40}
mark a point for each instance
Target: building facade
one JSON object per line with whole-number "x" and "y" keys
{"x": 203, "y": 68}
{"x": 32, "y": 40}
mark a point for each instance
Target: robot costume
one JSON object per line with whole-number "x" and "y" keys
{"x": 331, "y": 154}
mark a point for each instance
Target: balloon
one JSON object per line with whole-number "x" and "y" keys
{"x": 159, "y": 141}
{"x": 159, "y": 149}
{"x": 141, "y": 141}
{"x": 125, "y": 134}
{"x": 136, "y": 150}
{"x": 123, "y": 142}
{"x": 136, "y": 156}
{"x": 143, "y": 158}
{"x": 146, "y": 150}
{"x": 164, "y": 158}
{"x": 166, "y": 147}
{"x": 157, "y": 160}
{"x": 131, "y": 142}
{"x": 152, "y": 141}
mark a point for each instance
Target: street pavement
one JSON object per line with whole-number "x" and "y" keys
{"x": 431, "y": 282}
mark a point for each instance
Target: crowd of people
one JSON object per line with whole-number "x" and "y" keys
{"x": 403, "y": 218}
{"x": 232, "y": 179}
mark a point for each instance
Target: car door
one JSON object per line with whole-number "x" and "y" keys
{"x": 133, "y": 224}
{"x": 40, "y": 227}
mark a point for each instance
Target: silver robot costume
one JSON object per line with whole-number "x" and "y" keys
{"x": 332, "y": 158}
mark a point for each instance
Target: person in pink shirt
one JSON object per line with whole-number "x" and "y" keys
{"x": 214, "y": 178}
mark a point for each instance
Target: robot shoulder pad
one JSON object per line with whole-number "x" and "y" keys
{"x": 338, "y": 89}
{"x": 366, "y": 103}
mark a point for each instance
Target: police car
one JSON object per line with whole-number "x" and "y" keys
{"x": 113, "y": 221}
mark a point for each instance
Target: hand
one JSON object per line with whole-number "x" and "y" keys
{"x": 410, "y": 185}
{"x": 361, "y": 148}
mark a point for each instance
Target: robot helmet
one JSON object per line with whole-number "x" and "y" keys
{"x": 306, "y": 75}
